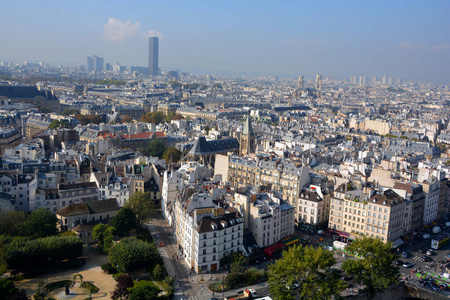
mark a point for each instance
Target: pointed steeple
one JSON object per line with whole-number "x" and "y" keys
{"x": 248, "y": 129}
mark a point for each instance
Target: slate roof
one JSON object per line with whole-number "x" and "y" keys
{"x": 248, "y": 129}
{"x": 202, "y": 146}
{"x": 93, "y": 207}
{"x": 76, "y": 186}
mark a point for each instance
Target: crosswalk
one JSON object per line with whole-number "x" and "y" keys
{"x": 416, "y": 258}
{"x": 193, "y": 298}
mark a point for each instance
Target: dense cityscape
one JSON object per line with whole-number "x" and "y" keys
{"x": 150, "y": 182}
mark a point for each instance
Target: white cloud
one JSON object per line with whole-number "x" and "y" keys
{"x": 443, "y": 46}
{"x": 411, "y": 46}
{"x": 117, "y": 31}
{"x": 153, "y": 33}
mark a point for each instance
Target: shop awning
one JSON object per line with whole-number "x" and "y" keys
{"x": 397, "y": 243}
{"x": 344, "y": 234}
{"x": 270, "y": 250}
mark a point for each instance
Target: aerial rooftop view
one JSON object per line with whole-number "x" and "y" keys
{"x": 194, "y": 150}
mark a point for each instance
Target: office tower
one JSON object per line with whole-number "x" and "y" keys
{"x": 319, "y": 82}
{"x": 108, "y": 67}
{"x": 353, "y": 80}
{"x": 360, "y": 80}
{"x": 89, "y": 63}
{"x": 364, "y": 80}
{"x": 153, "y": 46}
{"x": 390, "y": 80}
{"x": 98, "y": 63}
{"x": 301, "y": 82}
{"x": 383, "y": 80}
{"x": 374, "y": 80}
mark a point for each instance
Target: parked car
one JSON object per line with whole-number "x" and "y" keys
{"x": 426, "y": 236}
{"x": 406, "y": 254}
{"x": 398, "y": 262}
{"x": 430, "y": 252}
{"x": 407, "y": 265}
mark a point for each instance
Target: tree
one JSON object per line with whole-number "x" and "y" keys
{"x": 132, "y": 254}
{"x": 153, "y": 117}
{"x": 41, "y": 223}
{"x": 170, "y": 116}
{"x": 172, "y": 155}
{"x": 308, "y": 267}
{"x": 55, "y": 124}
{"x": 145, "y": 292}
{"x": 124, "y": 283}
{"x": 12, "y": 223}
{"x": 23, "y": 255}
{"x": 124, "y": 221}
{"x": 375, "y": 270}
{"x": 238, "y": 263}
{"x": 126, "y": 119}
{"x": 156, "y": 148}
{"x": 142, "y": 206}
{"x": 103, "y": 235}
{"x": 207, "y": 129}
{"x": 178, "y": 117}
{"x": 158, "y": 272}
{"x": 382, "y": 110}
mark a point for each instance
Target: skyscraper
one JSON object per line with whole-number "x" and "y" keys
{"x": 98, "y": 63}
{"x": 153, "y": 46}
{"x": 90, "y": 63}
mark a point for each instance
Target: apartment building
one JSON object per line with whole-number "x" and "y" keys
{"x": 212, "y": 234}
{"x": 376, "y": 213}
{"x": 313, "y": 206}
{"x": 270, "y": 219}
{"x": 285, "y": 177}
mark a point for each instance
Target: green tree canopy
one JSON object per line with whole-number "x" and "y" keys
{"x": 132, "y": 254}
{"x": 154, "y": 117}
{"x": 145, "y": 292}
{"x": 376, "y": 270}
{"x": 22, "y": 255}
{"x": 84, "y": 120}
{"x": 308, "y": 267}
{"x": 41, "y": 223}
{"x": 143, "y": 207}
{"x": 55, "y": 124}
{"x": 124, "y": 221}
{"x": 12, "y": 223}
{"x": 172, "y": 155}
{"x": 103, "y": 235}
{"x": 156, "y": 147}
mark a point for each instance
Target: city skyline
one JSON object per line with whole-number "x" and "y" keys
{"x": 403, "y": 39}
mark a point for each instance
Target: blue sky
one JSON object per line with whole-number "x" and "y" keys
{"x": 409, "y": 39}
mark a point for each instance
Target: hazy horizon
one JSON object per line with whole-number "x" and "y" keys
{"x": 408, "y": 39}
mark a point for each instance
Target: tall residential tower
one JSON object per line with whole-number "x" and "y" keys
{"x": 153, "y": 46}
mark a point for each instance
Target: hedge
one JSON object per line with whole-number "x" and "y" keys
{"x": 23, "y": 255}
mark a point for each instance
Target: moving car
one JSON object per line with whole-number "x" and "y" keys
{"x": 398, "y": 262}
{"x": 407, "y": 265}
{"x": 406, "y": 254}
{"x": 430, "y": 252}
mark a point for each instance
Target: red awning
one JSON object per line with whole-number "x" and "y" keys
{"x": 344, "y": 234}
{"x": 272, "y": 248}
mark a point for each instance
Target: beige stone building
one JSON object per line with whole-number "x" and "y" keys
{"x": 374, "y": 213}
